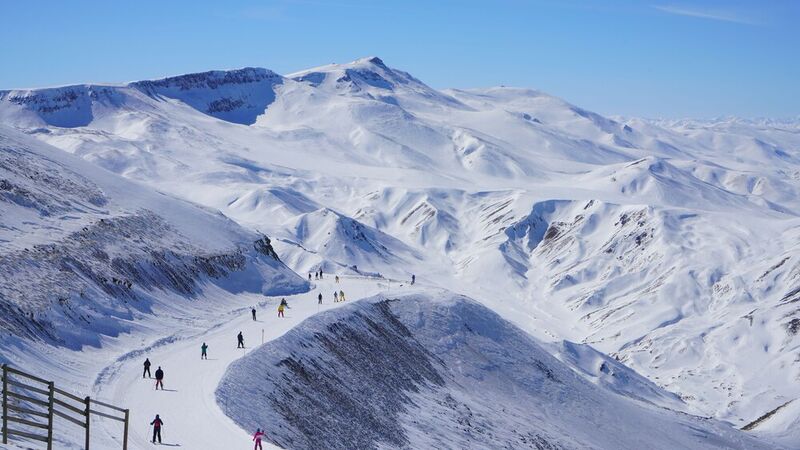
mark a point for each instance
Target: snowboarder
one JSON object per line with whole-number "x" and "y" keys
{"x": 319, "y": 298}
{"x": 257, "y": 439}
{"x": 204, "y": 351}
{"x": 156, "y": 423}
{"x": 147, "y": 368}
{"x": 240, "y": 338}
{"x": 159, "y": 378}
{"x": 413, "y": 279}
{"x": 253, "y": 311}
{"x": 337, "y": 279}
{"x": 341, "y": 295}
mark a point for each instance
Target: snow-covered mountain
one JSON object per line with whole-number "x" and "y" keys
{"x": 84, "y": 251}
{"x": 668, "y": 245}
{"x": 437, "y": 371}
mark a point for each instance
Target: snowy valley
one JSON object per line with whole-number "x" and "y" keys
{"x": 646, "y": 271}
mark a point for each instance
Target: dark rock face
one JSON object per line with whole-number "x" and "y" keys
{"x": 210, "y": 80}
{"x": 306, "y": 383}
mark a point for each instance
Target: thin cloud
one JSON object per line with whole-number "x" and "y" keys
{"x": 721, "y": 16}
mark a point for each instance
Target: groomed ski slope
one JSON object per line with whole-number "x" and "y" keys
{"x": 192, "y": 418}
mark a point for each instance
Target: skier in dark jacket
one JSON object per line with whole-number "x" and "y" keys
{"x": 240, "y": 338}
{"x": 253, "y": 311}
{"x": 413, "y": 279}
{"x": 319, "y": 298}
{"x": 156, "y": 423}
{"x": 159, "y": 378}
{"x": 204, "y": 351}
{"x": 147, "y": 368}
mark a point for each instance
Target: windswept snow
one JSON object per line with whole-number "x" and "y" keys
{"x": 432, "y": 370}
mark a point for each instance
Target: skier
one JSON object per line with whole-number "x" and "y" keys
{"x": 319, "y": 298}
{"x": 253, "y": 311}
{"x": 257, "y": 438}
{"x": 341, "y": 295}
{"x": 204, "y": 351}
{"x": 159, "y": 378}
{"x": 240, "y": 338}
{"x": 320, "y": 273}
{"x": 309, "y": 276}
{"x": 156, "y": 423}
{"x": 282, "y": 306}
{"x": 147, "y": 368}
{"x": 335, "y": 297}
{"x": 337, "y": 279}
{"x": 413, "y": 279}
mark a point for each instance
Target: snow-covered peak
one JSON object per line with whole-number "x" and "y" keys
{"x": 372, "y": 78}
{"x": 238, "y": 96}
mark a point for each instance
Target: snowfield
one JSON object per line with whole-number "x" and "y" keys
{"x": 656, "y": 259}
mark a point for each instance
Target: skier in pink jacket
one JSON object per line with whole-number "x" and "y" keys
{"x": 257, "y": 438}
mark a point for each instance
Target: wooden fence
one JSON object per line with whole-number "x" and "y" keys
{"x": 34, "y": 403}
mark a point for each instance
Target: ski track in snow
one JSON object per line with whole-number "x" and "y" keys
{"x": 192, "y": 418}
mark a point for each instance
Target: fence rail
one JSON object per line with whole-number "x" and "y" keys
{"x": 21, "y": 406}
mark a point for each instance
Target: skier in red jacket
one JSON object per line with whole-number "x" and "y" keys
{"x": 257, "y": 439}
{"x": 156, "y": 423}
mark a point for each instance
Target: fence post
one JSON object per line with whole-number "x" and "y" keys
{"x": 5, "y": 404}
{"x": 125, "y": 433}
{"x": 50, "y": 408}
{"x": 88, "y": 421}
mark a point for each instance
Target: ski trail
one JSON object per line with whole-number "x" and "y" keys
{"x": 192, "y": 418}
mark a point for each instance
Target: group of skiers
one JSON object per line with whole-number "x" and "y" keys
{"x": 317, "y": 275}
{"x": 157, "y": 423}
{"x": 338, "y": 297}
{"x": 159, "y": 374}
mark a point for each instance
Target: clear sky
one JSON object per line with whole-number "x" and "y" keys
{"x": 658, "y": 58}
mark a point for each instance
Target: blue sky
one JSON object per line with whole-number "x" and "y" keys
{"x": 646, "y": 58}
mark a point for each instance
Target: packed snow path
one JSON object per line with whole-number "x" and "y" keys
{"x": 192, "y": 418}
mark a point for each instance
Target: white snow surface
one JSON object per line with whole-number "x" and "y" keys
{"x": 667, "y": 246}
